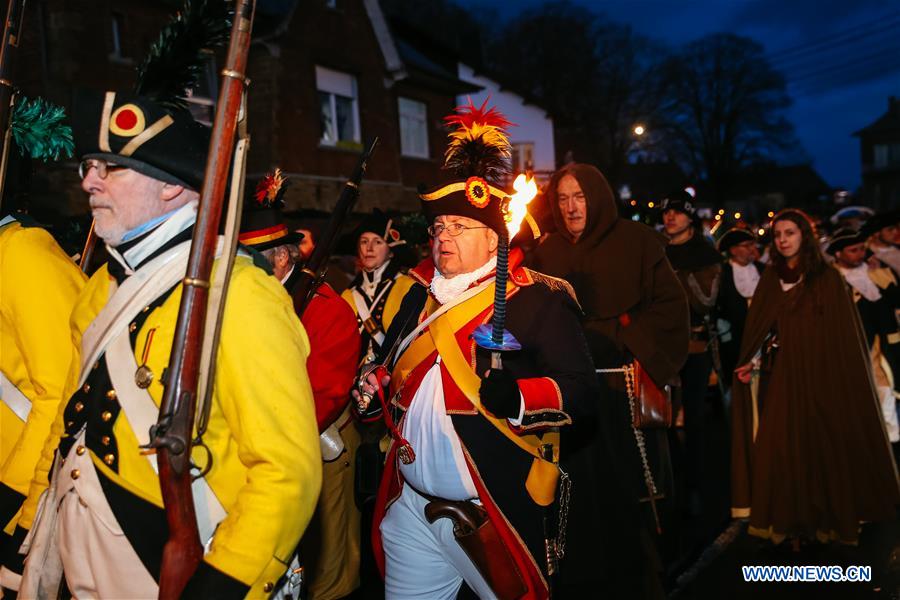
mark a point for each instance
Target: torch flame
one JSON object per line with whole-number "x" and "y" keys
{"x": 526, "y": 190}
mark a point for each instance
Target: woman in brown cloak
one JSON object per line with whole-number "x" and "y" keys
{"x": 810, "y": 456}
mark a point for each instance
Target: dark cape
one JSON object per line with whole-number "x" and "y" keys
{"x": 819, "y": 462}
{"x": 633, "y": 307}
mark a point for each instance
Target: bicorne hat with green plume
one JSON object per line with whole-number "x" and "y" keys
{"x": 478, "y": 161}
{"x": 152, "y": 131}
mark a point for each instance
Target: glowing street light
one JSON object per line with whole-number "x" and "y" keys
{"x": 651, "y": 204}
{"x": 737, "y": 216}
{"x": 761, "y": 231}
{"x": 639, "y": 130}
{"x": 771, "y": 214}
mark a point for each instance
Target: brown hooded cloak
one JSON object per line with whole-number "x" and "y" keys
{"x": 633, "y": 306}
{"x": 811, "y": 457}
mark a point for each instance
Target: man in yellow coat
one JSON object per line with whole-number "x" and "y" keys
{"x": 37, "y": 293}
{"x": 102, "y": 516}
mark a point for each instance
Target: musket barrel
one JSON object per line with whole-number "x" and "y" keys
{"x": 174, "y": 431}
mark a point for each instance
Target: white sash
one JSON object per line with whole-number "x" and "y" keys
{"x": 142, "y": 412}
{"x": 146, "y": 285}
{"x": 13, "y": 397}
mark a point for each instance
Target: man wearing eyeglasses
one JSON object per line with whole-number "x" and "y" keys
{"x": 103, "y": 519}
{"x": 462, "y": 428}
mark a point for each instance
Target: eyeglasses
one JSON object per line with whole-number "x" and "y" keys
{"x": 103, "y": 167}
{"x": 453, "y": 229}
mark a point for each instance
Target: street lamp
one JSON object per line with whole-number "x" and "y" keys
{"x": 639, "y": 130}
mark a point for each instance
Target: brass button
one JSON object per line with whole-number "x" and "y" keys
{"x": 69, "y": 424}
{"x": 79, "y": 450}
{"x": 109, "y": 459}
{"x": 132, "y": 328}
{"x": 145, "y": 309}
{"x": 106, "y": 416}
{"x": 268, "y": 587}
{"x": 79, "y": 407}
{"x": 96, "y": 365}
{"x": 111, "y": 395}
{"x": 105, "y": 440}
{"x": 86, "y": 388}
{"x": 76, "y": 473}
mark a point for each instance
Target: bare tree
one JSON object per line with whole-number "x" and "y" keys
{"x": 723, "y": 109}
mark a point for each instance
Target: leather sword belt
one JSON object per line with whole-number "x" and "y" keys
{"x": 478, "y": 537}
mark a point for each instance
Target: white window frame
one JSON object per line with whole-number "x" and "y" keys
{"x": 336, "y": 83}
{"x": 519, "y": 152}
{"x": 422, "y": 119}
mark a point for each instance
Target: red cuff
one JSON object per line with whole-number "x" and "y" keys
{"x": 543, "y": 404}
{"x": 540, "y": 393}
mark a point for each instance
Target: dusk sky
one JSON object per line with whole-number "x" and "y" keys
{"x": 841, "y": 58}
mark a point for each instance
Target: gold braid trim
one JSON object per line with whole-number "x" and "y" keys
{"x": 554, "y": 283}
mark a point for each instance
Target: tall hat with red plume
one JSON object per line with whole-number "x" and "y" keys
{"x": 478, "y": 160}
{"x": 262, "y": 225}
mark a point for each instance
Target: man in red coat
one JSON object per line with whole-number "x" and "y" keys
{"x": 330, "y": 547}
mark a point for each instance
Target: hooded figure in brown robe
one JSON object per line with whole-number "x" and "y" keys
{"x": 810, "y": 455}
{"x": 633, "y": 306}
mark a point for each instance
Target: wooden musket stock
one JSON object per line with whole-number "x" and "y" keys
{"x": 172, "y": 435}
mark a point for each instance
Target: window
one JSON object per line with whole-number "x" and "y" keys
{"x": 522, "y": 157}
{"x": 413, "y": 128}
{"x": 886, "y": 154}
{"x": 338, "y": 108}
{"x": 202, "y": 98}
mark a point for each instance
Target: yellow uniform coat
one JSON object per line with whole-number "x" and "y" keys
{"x": 38, "y": 288}
{"x": 262, "y": 430}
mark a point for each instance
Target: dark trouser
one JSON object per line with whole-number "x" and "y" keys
{"x": 694, "y": 383}
{"x": 610, "y": 552}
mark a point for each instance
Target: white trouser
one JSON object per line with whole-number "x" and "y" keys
{"x": 889, "y": 410}
{"x": 97, "y": 558}
{"x": 422, "y": 559}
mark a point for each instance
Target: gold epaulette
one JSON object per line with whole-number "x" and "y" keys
{"x": 554, "y": 283}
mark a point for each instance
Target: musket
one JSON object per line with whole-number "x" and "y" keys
{"x": 172, "y": 435}
{"x": 9, "y": 45}
{"x": 715, "y": 352}
{"x": 314, "y": 269}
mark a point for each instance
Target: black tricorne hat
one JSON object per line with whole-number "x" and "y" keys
{"x": 478, "y": 159}
{"x": 262, "y": 224}
{"x": 842, "y": 238}
{"x": 732, "y": 237}
{"x": 380, "y": 223}
{"x": 879, "y": 222}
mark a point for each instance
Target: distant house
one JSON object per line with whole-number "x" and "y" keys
{"x": 325, "y": 77}
{"x": 880, "y": 153}
{"x": 532, "y": 136}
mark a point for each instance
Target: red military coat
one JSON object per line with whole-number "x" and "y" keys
{"x": 334, "y": 349}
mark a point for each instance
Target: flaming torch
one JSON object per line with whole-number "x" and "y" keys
{"x": 494, "y": 337}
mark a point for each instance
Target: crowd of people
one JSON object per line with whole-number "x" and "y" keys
{"x": 514, "y": 412}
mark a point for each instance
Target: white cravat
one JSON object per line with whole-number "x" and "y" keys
{"x": 746, "y": 278}
{"x": 446, "y": 290}
{"x": 858, "y": 277}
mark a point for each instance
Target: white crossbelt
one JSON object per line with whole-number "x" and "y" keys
{"x": 13, "y": 397}
{"x": 365, "y": 313}
{"x": 109, "y": 333}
